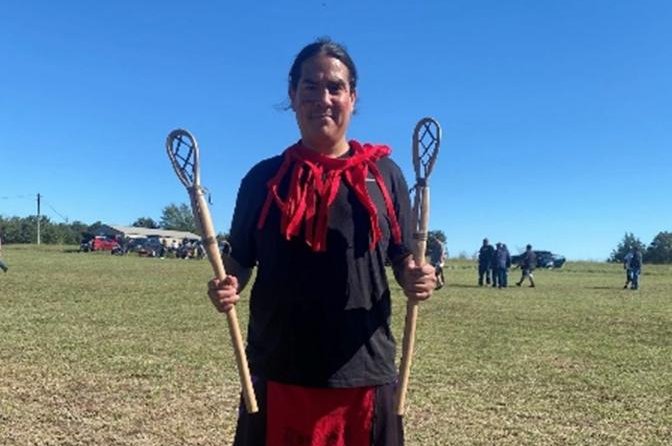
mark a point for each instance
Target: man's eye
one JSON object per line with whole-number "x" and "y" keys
{"x": 335, "y": 88}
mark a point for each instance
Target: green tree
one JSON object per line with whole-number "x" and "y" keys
{"x": 145, "y": 222}
{"x": 48, "y": 232}
{"x": 178, "y": 218}
{"x": 628, "y": 243}
{"x": 660, "y": 249}
{"x": 10, "y": 228}
{"x": 26, "y": 229}
{"x": 77, "y": 229}
{"x": 95, "y": 228}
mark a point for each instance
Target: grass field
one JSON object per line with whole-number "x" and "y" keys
{"x": 104, "y": 350}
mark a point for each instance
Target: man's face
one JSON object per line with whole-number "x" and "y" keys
{"x": 323, "y": 103}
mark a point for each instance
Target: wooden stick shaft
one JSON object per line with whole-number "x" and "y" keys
{"x": 408, "y": 345}
{"x": 204, "y": 220}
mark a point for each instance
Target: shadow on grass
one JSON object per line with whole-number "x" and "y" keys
{"x": 463, "y": 285}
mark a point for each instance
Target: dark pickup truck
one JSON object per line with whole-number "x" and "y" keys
{"x": 545, "y": 259}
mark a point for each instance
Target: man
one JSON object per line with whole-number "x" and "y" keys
{"x": 3, "y": 265}
{"x": 318, "y": 224}
{"x": 626, "y": 266}
{"x": 528, "y": 263}
{"x": 502, "y": 262}
{"x": 437, "y": 258}
{"x": 485, "y": 256}
{"x": 635, "y": 268}
{"x": 494, "y": 266}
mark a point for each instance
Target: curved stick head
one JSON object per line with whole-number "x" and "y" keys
{"x": 183, "y": 153}
{"x": 426, "y": 142}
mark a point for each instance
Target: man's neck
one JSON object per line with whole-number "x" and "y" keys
{"x": 329, "y": 150}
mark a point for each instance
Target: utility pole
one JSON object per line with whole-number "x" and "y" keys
{"x": 38, "y": 218}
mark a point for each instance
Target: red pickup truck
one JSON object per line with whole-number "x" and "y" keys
{"x": 98, "y": 243}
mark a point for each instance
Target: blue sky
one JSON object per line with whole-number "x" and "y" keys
{"x": 556, "y": 115}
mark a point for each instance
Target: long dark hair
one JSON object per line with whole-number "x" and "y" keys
{"x": 323, "y": 45}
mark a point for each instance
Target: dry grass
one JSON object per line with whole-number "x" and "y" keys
{"x": 103, "y": 350}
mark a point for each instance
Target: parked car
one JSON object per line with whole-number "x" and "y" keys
{"x": 545, "y": 259}
{"x": 98, "y": 243}
{"x": 85, "y": 245}
{"x": 149, "y": 247}
{"x": 191, "y": 249}
{"x": 123, "y": 247}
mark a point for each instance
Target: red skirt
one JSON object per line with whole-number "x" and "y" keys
{"x": 318, "y": 417}
{"x": 292, "y": 415}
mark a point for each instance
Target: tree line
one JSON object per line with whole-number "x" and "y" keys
{"x": 24, "y": 229}
{"x": 174, "y": 217}
{"x": 178, "y": 217}
{"x": 658, "y": 251}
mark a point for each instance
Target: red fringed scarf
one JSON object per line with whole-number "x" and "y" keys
{"x": 314, "y": 182}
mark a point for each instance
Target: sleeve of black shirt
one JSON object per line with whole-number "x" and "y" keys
{"x": 402, "y": 207}
{"x": 251, "y": 196}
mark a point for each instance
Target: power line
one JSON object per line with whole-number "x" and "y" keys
{"x": 7, "y": 197}
{"x": 32, "y": 197}
{"x": 52, "y": 208}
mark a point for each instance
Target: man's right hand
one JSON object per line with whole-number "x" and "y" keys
{"x": 223, "y": 293}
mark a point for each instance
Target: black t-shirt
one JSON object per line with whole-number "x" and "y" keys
{"x": 486, "y": 254}
{"x": 529, "y": 260}
{"x": 320, "y": 318}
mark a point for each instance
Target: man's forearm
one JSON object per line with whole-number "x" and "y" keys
{"x": 235, "y": 269}
{"x": 398, "y": 269}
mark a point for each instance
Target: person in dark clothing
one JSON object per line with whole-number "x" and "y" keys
{"x": 319, "y": 223}
{"x": 3, "y": 265}
{"x": 437, "y": 257}
{"x": 494, "y": 267}
{"x": 485, "y": 256}
{"x": 528, "y": 263}
{"x": 626, "y": 267}
{"x": 503, "y": 263}
{"x": 635, "y": 268}
{"x": 163, "y": 249}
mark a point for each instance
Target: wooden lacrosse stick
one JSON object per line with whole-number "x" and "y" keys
{"x": 187, "y": 168}
{"x": 426, "y": 141}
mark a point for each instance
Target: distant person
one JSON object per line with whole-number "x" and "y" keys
{"x": 527, "y": 264}
{"x": 225, "y": 248}
{"x": 635, "y": 268}
{"x": 199, "y": 250}
{"x": 626, "y": 266}
{"x": 3, "y": 265}
{"x": 124, "y": 244}
{"x": 493, "y": 266}
{"x": 437, "y": 258}
{"x": 185, "y": 249}
{"x": 485, "y": 255}
{"x": 163, "y": 248}
{"x": 503, "y": 263}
